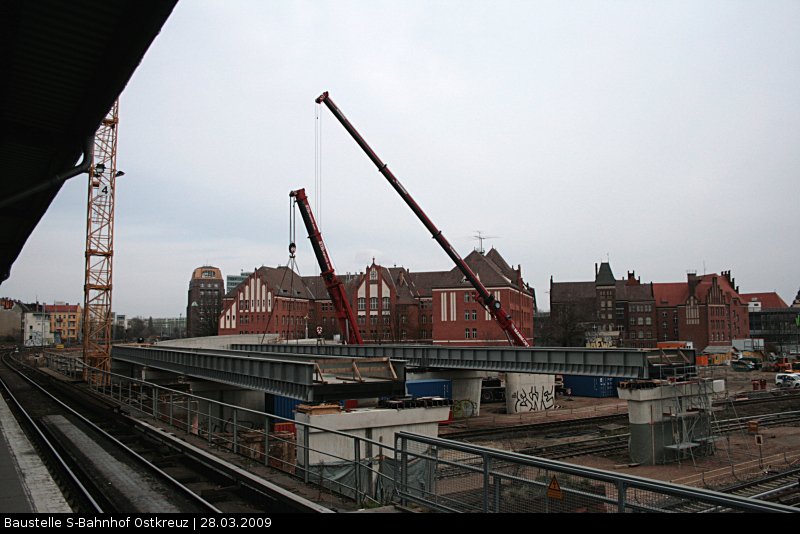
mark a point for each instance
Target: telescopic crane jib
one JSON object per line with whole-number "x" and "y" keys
{"x": 485, "y": 298}
{"x": 335, "y": 287}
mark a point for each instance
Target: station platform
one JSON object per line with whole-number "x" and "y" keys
{"x": 25, "y": 483}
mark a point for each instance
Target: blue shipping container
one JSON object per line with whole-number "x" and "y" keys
{"x": 285, "y": 406}
{"x": 430, "y": 388}
{"x": 592, "y": 386}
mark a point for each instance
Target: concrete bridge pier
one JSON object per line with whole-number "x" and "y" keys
{"x": 527, "y": 392}
{"x": 670, "y": 420}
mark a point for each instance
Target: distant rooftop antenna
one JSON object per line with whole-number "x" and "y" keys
{"x": 480, "y": 237}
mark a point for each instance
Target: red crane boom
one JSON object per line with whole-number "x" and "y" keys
{"x": 335, "y": 287}
{"x": 485, "y": 298}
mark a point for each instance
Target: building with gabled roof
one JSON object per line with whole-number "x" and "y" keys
{"x": 706, "y": 310}
{"x": 457, "y": 317}
{"x": 391, "y": 304}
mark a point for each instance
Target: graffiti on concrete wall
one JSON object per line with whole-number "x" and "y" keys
{"x": 534, "y": 398}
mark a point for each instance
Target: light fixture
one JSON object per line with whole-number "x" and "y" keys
{"x": 120, "y": 173}
{"x": 99, "y": 168}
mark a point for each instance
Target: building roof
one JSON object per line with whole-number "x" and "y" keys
{"x": 768, "y": 300}
{"x": 285, "y": 282}
{"x": 316, "y": 285}
{"x": 63, "y": 65}
{"x": 604, "y": 276}
{"x": 197, "y": 274}
{"x": 633, "y": 292}
{"x": 488, "y": 272}
{"x": 677, "y": 293}
{"x": 505, "y": 269}
{"x": 570, "y": 291}
{"x": 671, "y": 293}
{"x": 424, "y": 281}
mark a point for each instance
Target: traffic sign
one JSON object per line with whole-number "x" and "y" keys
{"x": 554, "y": 490}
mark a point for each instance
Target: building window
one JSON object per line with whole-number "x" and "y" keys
{"x": 373, "y": 303}
{"x": 467, "y": 297}
{"x": 640, "y": 335}
{"x": 403, "y": 319}
{"x": 386, "y": 320}
{"x": 474, "y": 315}
{"x": 373, "y": 274}
{"x": 361, "y": 320}
{"x": 466, "y": 315}
{"x": 466, "y": 333}
{"x": 403, "y": 334}
{"x": 633, "y": 321}
{"x": 424, "y": 319}
{"x": 474, "y": 333}
{"x": 362, "y": 303}
{"x": 639, "y": 321}
{"x": 373, "y": 320}
{"x": 386, "y": 303}
{"x": 648, "y": 321}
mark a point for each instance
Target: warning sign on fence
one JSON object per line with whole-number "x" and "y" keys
{"x": 554, "y": 490}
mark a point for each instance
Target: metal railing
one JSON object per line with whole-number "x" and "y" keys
{"x": 439, "y": 474}
{"x": 455, "y": 477}
{"x": 354, "y": 467}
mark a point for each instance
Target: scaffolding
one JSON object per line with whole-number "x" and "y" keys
{"x": 692, "y": 421}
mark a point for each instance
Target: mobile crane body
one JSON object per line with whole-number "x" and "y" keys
{"x": 483, "y": 296}
{"x": 335, "y": 287}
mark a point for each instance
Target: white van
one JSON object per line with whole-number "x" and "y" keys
{"x": 787, "y": 380}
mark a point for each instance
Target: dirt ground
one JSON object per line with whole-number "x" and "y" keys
{"x": 737, "y": 455}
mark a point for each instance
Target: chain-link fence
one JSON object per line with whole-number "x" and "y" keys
{"x": 456, "y": 477}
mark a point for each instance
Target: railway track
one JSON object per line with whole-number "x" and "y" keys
{"x": 105, "y": 461}
{"x": 782, "y": 487}
{"x": 562, "y": 427}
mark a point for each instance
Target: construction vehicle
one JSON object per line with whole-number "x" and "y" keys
{"x": 486, "y": 299}
{"x": 335, "y": 287}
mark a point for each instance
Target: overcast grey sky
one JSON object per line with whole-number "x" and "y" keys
{"x": 662, "y": 134}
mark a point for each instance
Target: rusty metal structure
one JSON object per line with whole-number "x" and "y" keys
{"x": 97, "y": 320}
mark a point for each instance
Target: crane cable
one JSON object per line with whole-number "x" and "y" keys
{"x": 291, "y": 263}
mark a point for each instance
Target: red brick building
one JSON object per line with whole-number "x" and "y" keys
{"x": 271, "y": 300}
{"x": 706, "y": 310}
{"x": 457, "y": 317}
{"x": 391, "y": 304}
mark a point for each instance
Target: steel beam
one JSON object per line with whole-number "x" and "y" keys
{"x": 624, "y": 363}
{"x": 290, "y": 375}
